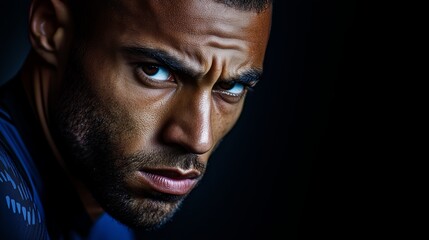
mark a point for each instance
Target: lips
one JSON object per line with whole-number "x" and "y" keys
{"x": 169, "y": 180}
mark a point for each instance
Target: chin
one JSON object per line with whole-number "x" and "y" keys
{"x": 152, "y": 214}
{"x": 142, "y": 213}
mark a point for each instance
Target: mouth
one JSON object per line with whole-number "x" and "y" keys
{"x": 173, "y": 181}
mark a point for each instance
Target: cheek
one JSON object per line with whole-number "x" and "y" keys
{"x": 134, "y": 130}
{"x": 140, "y": 116}
{"x": 221, "y": 125}
{"x": 224, "y": 120}
{"x": 132, "y": 111}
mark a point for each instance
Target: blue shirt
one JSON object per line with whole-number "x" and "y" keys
{"x": 32, "y": 206}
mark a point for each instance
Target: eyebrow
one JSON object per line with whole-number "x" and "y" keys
{"x": 163, "y": 57}
{"x": 249, "y": 77}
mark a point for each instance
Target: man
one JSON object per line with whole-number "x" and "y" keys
{"x": 113, "y": 117}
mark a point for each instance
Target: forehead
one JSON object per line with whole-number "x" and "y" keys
{"x": 179, "y": 8}
{"x": 191, "y": 28}
{"x": 186, "y": 15}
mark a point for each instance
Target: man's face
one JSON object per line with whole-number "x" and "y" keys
{"x": 147, "y": 96}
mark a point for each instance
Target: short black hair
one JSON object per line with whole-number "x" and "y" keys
{"x": 245, "y": 5}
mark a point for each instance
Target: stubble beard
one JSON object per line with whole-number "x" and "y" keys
{"x": 87, "y": 132}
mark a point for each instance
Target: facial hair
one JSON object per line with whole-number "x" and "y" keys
{"x": 88, "y": 130}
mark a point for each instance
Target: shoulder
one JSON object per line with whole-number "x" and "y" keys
{"x": 21, "y": 214}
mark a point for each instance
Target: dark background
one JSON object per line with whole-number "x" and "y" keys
{"x": 308, "y": 158}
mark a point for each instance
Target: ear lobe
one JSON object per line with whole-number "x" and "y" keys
{"x": 48, "y": 21}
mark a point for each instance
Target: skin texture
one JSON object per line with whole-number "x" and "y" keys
{"x": 115, "y": 106}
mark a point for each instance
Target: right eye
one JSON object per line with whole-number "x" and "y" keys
{"x": 155, "y": 72}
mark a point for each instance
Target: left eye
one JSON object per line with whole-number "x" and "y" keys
{"x": 232, "y": 87}
{"x": 156, "y": 72}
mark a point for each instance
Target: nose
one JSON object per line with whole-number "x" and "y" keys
{"x": 189, "y": 124}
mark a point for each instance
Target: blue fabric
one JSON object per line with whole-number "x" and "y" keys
{"x": 21, "y": 211}
{"x": 109, "y": 229}
{"x": 22, "y": 214}
{"x": 106, "y": 228}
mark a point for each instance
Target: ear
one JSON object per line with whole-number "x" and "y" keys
{"x": 49, "y": 26}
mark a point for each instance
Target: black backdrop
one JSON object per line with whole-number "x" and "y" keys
{"x": 300, "y": 162}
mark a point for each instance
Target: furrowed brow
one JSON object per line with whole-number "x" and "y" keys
{"x": 162, "y": 57}
{"x": 249, "y": 77}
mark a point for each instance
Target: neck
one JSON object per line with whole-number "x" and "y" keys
{"x": 39, "y": 78}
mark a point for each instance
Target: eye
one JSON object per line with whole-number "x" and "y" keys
{"x": 232, "y": 88}
{"x": 156, "y": 72}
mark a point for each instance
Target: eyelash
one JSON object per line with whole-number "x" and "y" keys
{"x": 247, "y": 87}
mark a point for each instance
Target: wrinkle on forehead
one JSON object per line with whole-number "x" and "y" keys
{"x": 197, "y": 30}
